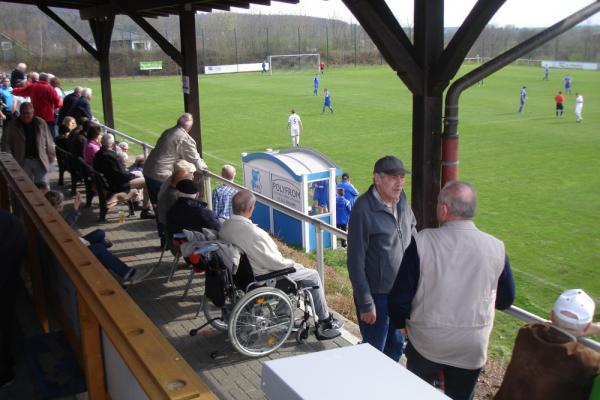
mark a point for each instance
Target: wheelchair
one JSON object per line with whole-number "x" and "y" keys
{"x": 258, "y": 312}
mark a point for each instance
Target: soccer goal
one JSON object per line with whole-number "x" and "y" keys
{"x": 294, "y": 62}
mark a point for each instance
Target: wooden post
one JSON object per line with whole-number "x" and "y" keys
{"x": 102, "y": 31}
{"x": 34, "y": 266}
{"x": 4, "y": 196}
{"x": 191, "y": 101}
{"x": 91, "y": 346}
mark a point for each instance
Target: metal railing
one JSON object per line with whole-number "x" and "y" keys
{"x": 145, "y": 146}
{"x": 321, "y": 227}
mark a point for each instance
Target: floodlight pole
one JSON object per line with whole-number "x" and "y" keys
{"x": 450, "y": 135}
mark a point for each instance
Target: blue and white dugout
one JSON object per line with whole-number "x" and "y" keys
{"x": 288, "y": 176}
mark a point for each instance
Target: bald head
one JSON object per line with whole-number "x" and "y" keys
{"x": 228, "y": 172}
{"x": 456, "y": 201}
{"x": 243, "y": 203}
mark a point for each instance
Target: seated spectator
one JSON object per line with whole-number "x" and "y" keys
{"x": 547, "y": 361}
{"x": 94, "y": 136}
{"x": 95, "y": 240}
{"x": 342, "y": 212}
{"x": 221, "y": 196}
{"x": 265, "y": 257}
{"x": 167, "y": 196}
{"x": 138, "y": 165}
{"x": 62, "y": 142}
{"x": 119, "y": 179}
{"x": 124, "y": 147}
{"x": 189, "y": 212}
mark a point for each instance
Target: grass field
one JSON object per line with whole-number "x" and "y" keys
{"x": 538, "y": 177}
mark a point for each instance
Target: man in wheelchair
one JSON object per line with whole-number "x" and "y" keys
{"x": 265, "y": 257}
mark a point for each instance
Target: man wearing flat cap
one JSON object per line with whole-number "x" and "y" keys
{"x": 379, "y": 231}
{"x": 189, "y": 212}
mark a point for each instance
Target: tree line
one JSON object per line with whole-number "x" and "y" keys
{"x": 228, "y": 38}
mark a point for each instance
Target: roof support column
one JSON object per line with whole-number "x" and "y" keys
{"x": 102, "y": 31}
{"x": 189, "y": 75}
{"x": 427, "y": 112}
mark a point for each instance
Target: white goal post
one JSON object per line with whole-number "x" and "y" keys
{"x": 295, "y": 61}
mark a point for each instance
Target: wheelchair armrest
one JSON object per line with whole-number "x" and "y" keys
{"x": 205, "y": 249}
{"x": 274, "y": 274}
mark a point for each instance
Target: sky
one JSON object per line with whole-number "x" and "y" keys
{"x": 521, "y": 13}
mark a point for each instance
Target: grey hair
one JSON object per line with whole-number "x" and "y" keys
{"x": 228, "y": 172}
{"x": 461, "y": 199}
{"x": 44, "y": 76}
{"x": 185, "y": 121}
{"x": 242, "y": 202}
{"x": 55, "y": 198}
{"x": 86, "y": 92}
{"x": 183, "y": 165}
{"x": 108, "y": 140}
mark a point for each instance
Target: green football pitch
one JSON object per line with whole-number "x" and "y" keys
{"x": 537, "y": 176}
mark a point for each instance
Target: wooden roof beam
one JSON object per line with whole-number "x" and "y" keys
{"x": 163, "y": 43}
{"x": 389, "y": 37}
{"x": 464, "y": 38}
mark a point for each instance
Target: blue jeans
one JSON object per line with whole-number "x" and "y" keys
{"x": 96, "y": 236}
{"x": 109, "y": 260}
{"x": 379, "y": 335}
{"x": 459, "y": 383}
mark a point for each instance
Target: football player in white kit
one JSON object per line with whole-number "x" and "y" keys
{"x": 295, "y": 125}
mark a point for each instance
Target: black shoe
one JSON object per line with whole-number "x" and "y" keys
{"x": 147, "y": 214}
{"x": 107, "y": 243}
{"x": 331, "y": 323}
{"x": 137, "y": 206}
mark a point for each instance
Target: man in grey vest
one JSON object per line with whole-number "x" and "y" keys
{"x": 449, "y": 282}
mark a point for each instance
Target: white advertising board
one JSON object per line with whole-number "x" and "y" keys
{"x": 257, "y": 179}
{"x": 571, "y": 65}
{"x": 231, "y": 68}
{"x": 287, "y": 191}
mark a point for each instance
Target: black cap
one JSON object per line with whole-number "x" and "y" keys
{"x": 345, "y": 176}
{"x": 390, "y": 165}
{"x": 187, "y": 186}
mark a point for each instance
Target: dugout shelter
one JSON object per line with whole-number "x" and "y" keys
{"x": 292, "y": 177}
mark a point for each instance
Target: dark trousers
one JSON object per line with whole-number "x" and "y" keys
{"x": 153, "y": 187}
{"x": 13, "y": 244}
{"x": 380, "y": 335}
{"x": 343, "y": 227}
{"x": 459, "y": 383}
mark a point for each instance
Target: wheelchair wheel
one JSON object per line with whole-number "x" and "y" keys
{"x": 261, "y": 322}
{"x": 211, "y": 311}
{"x": 302, "y": 333}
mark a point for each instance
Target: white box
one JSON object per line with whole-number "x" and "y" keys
{"x": 353, "y": 372}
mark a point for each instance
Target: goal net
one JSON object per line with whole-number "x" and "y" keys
{"x": 294, "y": 62}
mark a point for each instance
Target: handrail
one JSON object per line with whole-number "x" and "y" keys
{"x": 321, "y": 226}
{"x": 145, "y": 146}
{"x": 160, "y": 370}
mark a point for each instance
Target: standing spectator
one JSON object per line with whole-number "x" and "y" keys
{"x": 8, "y": 100}
{"x": 522, "y": 99}
{"x": 173, "y": 144}
{"x": 295, "y": 127}
{"x": 221, "y": 196}
{"x": 559, "y": 99}
{"x": 76, "y": 143}
{"x": 17, "y": 77}
{"x": 28, "y": 139}
{"x": 448, "y": 316}
{"x": 327, "y": 101}
{"x": 120, "y": 180}
{"x": 44, "y": 99}
{"x": 350, "y": 191}
{"x": 379, "y": 232}
{"x": 546, "y": 72}
{"x": 68, "y": 102}
{"x": 13, "y": 246}
{"x": 55, "y": 83}
{"x": 316, "y": 85}
{"x": 578, "y": 107}
{"x": 33, "y": 77}
{"x": 93, "y": 135}
{"x": 82, "y": 107}
{"x": 568, "y": 80}
{"x": 342, "y": 212}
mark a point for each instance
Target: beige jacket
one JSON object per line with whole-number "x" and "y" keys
{"x": 173, "y": 145}
{"x": 13, "y": 141}
{"x": 452, "y": 312}
{"x": 261, "y": 250}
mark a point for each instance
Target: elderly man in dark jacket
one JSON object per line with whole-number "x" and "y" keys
{"x": 118, "y": 177}
{"x": 28, "y": 139}
{"x": 189, "y": 212}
